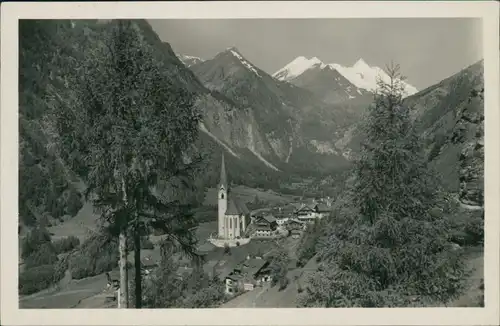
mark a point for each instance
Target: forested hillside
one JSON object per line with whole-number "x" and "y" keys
{"x": 53, "y": 55}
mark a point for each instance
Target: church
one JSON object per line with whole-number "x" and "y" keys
{"x": 234, "y": 216}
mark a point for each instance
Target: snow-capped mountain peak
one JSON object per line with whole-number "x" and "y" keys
{"x": 361, "y": 74}
{"x": 297, "y": 67}
{"x": 189, "y": 60}
{"x": 361, "y": 64}
{"x": 365, "y": 76}
{"x": 234, "y": 51}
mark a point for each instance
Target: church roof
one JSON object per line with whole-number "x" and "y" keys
{"x": 223, "y": 178}
{"x": 236, "y": 207}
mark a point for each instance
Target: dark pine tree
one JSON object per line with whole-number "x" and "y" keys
{"x": 386, "y": 245}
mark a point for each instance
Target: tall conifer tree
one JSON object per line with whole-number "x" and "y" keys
{"x": 135, "y": 129}
{"x": 388, "y": 244}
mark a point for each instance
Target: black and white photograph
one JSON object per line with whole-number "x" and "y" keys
{"x": 184, "y": 163}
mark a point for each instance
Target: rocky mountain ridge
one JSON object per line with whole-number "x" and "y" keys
{"x": 293, "y": 118}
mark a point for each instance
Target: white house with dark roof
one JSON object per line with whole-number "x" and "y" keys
{"x": 311, "y": 212}
{"x": 265, "y": 226}
{"x": 246, "y": 275}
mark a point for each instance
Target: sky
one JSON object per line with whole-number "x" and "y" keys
{"x": 428, "y": 50}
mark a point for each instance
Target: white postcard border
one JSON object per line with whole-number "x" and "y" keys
{"x": 12, "y": 11}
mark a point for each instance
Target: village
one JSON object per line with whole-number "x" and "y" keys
{"x": 244, "y": 268}
{"x": 230, "y": 255}
{"x": 238, "y": 255}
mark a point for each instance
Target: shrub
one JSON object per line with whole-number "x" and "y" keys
{"x": 106, "y": 263}
{"x": 34, "y": 240}
{"x": 474, "y": 229}
{"x": 34, "y": 279}
{"x": 95, "y": 256}
{"x": 45, "y": 255}
{"x": 38, "y": 278}
{"x": 279, "y": 267}
{"x": 81, "y": 266}
{"x": 66, "y": 244}
{"x": 308, "y": 245}
{"x": 206, "y": 297}
{"x": 73, "y": 202}
{"x": 43, "y": 221}
{"x": 439, "y": 141}
{"x": 467, "y": 229}
{"x": 163, "y": 289}
{"x": 60, "y": 269}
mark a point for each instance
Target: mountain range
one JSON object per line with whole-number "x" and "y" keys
{"x": 301, "y": 121}
{"x": 356, "y": 80}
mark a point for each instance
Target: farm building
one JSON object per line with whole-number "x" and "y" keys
{"x": 311, "y": 212}
{"x": 265, "y": 226}
{"x": 294, "y": 224}
{"x": 247, "y": 275}
{"x": 150, "y": 260}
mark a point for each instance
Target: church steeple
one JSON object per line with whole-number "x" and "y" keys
{"x": 222, "y": 200}
{"x": 223, "y": 179}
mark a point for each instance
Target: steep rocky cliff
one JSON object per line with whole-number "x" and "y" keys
{"x": 470, "y": 128}
{"x": 450, "y": 118}
{"x": 294, "y": 121}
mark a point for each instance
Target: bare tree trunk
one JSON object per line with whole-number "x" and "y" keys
{"x": 123, "y": 269}
{"x": 137, "y": 265}
{"x": 122, "y": 249}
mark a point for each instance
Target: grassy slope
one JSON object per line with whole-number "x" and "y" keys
{"x": 248, "y": 194}
{"x": 67, "y": 297}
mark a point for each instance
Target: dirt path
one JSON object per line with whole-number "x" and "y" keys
{"x": 264, "y": 289}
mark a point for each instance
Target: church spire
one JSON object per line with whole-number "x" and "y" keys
{"x": 223, "y": 180}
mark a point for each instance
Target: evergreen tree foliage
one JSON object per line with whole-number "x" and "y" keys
{"x": 43, "y": 54}
{"x": 134, "y": 131}
{"x": 386, "y": 245}
{"x": 34, "y": 240}
{"x": 165, "y": 288}
{"x": 279, "y": 267}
